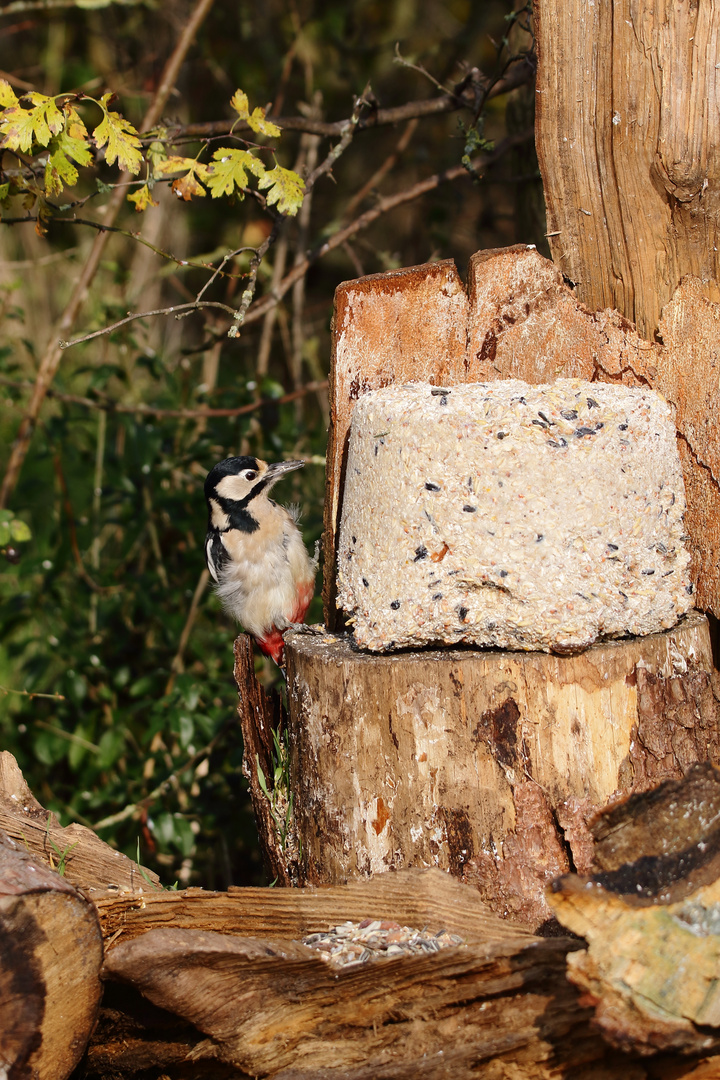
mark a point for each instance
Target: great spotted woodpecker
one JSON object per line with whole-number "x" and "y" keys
{"x": 255, "y": 553}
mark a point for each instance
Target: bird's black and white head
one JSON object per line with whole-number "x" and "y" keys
{"x": 235, "y": 484}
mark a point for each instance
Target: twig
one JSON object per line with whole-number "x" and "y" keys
{"x": 53, "y": 5}
{"x": 177, "y": 666}
{"x": 379, "y": 174}
{"x": 69, "y": 735}
{"x": 194, "y": 305}
{"x": 249, "y": 291}
{"x": 154, "y": 538}
{"x": 31, "y": 694}
{"x": 75, "y": 547}
{"x": 53, "y": 355}
{"x": 521, "y": 71}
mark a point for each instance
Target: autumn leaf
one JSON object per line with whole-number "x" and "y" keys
{"x": 121, "y": 138}
{"x": 187, "y": 186}
{"x": 7, "y": 94}
{"x": 229, "y": 170}
{"x": 142, "y": 198}
{"x": 256, "y": 120}
{"x": 59, "y": 171}
{"x": 286, "y": 189}
{"x": 23, "y": 126}
{"x": 74, "y": 139}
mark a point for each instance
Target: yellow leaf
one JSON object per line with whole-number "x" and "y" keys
{"x": 287, "y": 189}
{"x": 229, "y": 170}
{"x": 123, "y": 144}
{"x": 59, "y": 171}
{"x": 47, "y": 118}
{"x": 16, "y": 125}
{"x": 7, "y": 94}
{"x": 256, "y": 121}
{"x": 142, "y": 198}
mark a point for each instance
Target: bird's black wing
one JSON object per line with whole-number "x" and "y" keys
{"x": 215, "y": 553}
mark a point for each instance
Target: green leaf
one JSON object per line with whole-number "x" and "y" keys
{"x": 142, "y": 198}
{"x": 287, "y": 189}
{"x": 256, "y": 120}
{"x": 121, "y": 138}
{"x": 230, "y": 171}
{"x": 7, "y": 94}
{"x": 5, "y": 533}
{"x": 19, "y": 531}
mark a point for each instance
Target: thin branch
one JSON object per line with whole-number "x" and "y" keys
{"x": 53, "y": 355}
{"x": 521, "y": 71}
{"x": 388, "y": 164}
{"x": 194, "y": 305}
{"x": 31, "y": 694}
{"x": 53, "y": 5}
{"x": 75, "y": 547}
{"x": 177, "y": 666}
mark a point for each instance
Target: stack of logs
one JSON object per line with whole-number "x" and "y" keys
{"x": 105, "y": 972}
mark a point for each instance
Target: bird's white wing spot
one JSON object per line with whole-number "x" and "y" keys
{"x": 209, "y": 557}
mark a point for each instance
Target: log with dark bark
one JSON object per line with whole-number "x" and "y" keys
{"x": 88, "y": 863}
{"x": 50, "y": 958}
{"x": 651, "y": 917}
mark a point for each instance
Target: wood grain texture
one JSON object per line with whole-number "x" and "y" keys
{"x": 626, "y": 133}
{"x": 90, "y": 864}
{"x": 50, "y": 957}
{"x": 486, "y": 763}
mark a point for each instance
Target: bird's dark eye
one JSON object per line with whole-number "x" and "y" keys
{"x": 250, "y": 475}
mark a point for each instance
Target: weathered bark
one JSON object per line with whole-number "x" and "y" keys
{"x": 627, "y": 139}
{"x": 88, "y": 863}
{"x": 262, "y": 713}
{"x": 486, "y": 763}
{"x": 652, "y": 921}
{"x": 50, "y": 958}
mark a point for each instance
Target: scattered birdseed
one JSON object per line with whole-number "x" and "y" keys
{"x": 596, "y": 478}
{"x": 354, "y": 943}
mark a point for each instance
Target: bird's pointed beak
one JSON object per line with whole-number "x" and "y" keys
{"x": 281, "y": 467}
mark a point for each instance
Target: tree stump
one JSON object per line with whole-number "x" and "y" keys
{"x": 486, "y": 763}
{"x": 489, "y": 764}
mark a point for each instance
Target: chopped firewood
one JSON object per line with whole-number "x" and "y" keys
{"x": 50, "y": 957}
{"x": 652, "y": 969}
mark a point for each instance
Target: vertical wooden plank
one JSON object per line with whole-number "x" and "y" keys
{"x": 628, "y": 144}
{"x": 408, "y": 325}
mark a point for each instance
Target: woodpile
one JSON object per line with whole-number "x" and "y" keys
{"x": 221, "y": 985}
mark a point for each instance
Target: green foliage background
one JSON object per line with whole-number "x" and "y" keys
{"x": 95, "y": 609}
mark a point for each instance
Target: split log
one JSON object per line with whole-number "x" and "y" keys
{"x": 498, "y": 1002}
{"x": 650, "y": 916}
{"x": 50, "y": 958}
{"x": 486, "y": 763}
{"x": 87, "y": 862}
